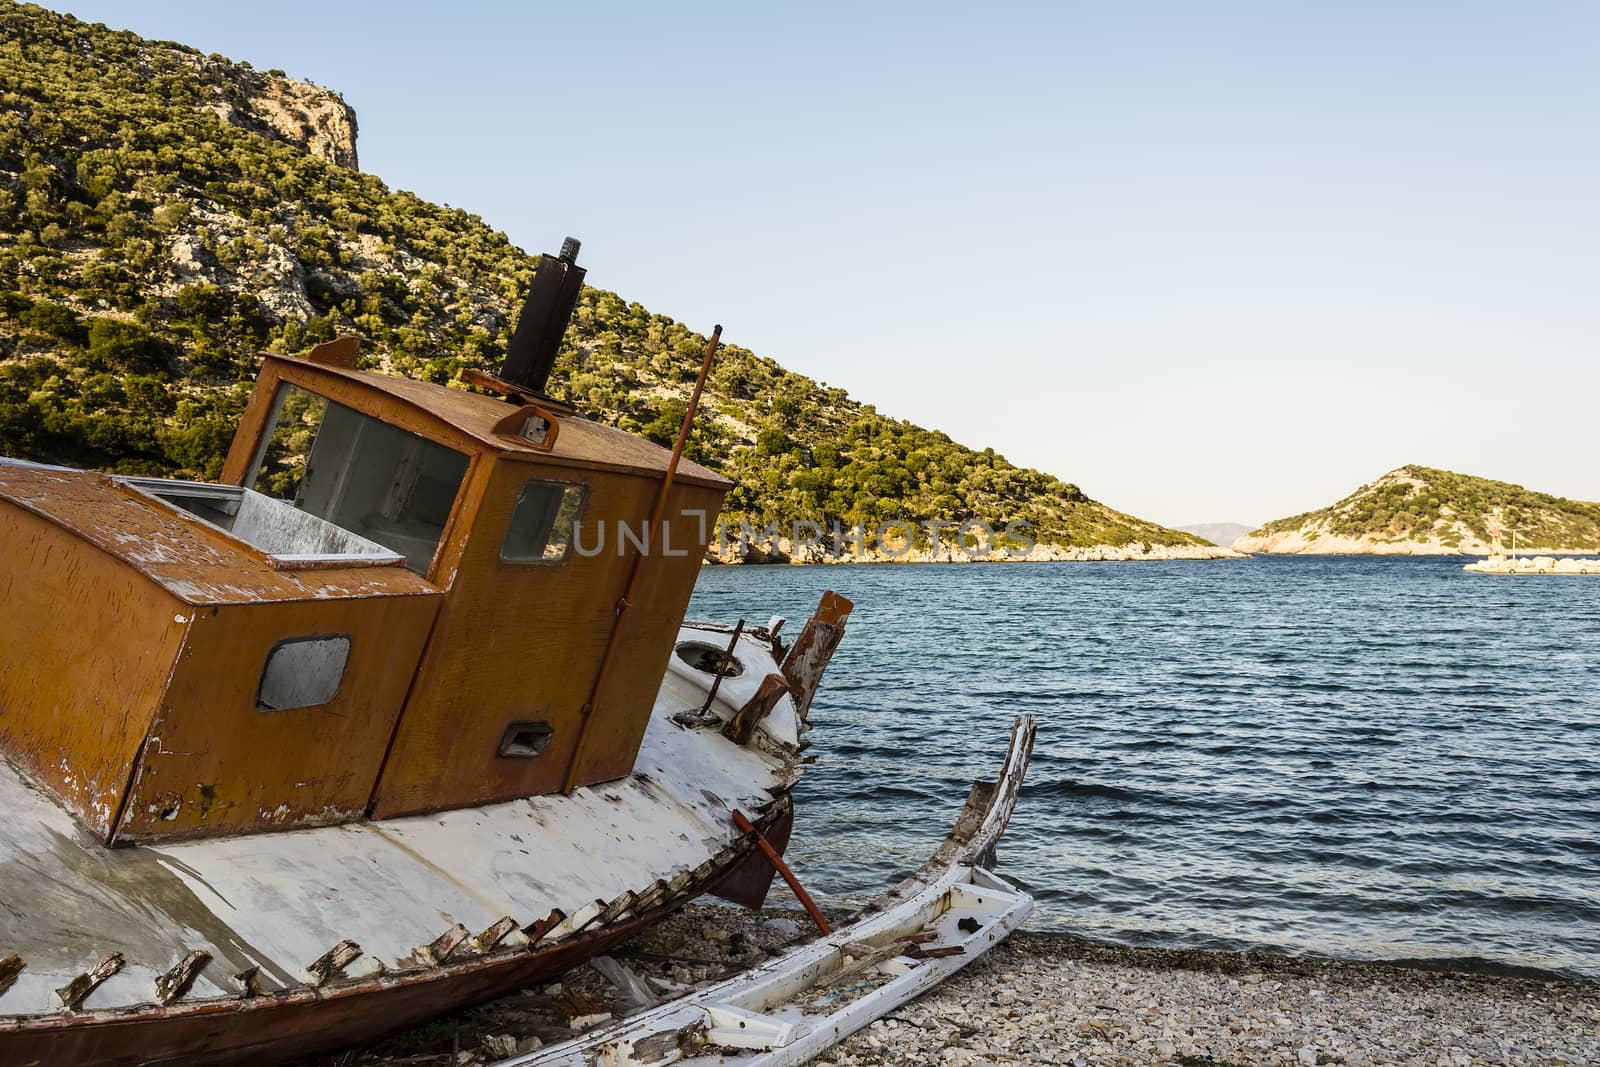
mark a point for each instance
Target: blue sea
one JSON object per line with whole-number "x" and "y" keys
{"x": 1358, "y": 757}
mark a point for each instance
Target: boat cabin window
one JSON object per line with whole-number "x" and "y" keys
{"x": 376, "y": 480}
{"x": 542, "y": 524}
{"x": 302, "y": 672}
{"x": 293, "y": 538}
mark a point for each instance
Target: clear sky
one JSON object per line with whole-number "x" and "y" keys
{"x": 1209, "y": 261}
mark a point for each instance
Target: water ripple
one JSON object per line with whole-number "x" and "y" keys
{"x": 1365, "y": 757}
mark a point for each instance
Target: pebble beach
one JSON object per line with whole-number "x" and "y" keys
{"x": 1064, "y": 1000}
{"x": 1059, "y": 999}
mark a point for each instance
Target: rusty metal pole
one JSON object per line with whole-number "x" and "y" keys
{"x": 722, "y": 668}
{"x": 771, "y": 853}
{"x": 656, "y": 512}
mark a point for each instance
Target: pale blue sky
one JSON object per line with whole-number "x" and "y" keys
{"x": 1210, "y": 261}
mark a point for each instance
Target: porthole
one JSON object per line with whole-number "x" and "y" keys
{"x": 707, "y": 658}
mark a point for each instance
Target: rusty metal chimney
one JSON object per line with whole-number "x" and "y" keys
{"x": 545, "y": 315}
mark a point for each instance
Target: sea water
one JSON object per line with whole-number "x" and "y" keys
{"x": 1351, "y": 756}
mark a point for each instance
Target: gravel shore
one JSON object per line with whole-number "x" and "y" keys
{"x": 1057, "y": 999}
{"x": 1063, "y": 1000}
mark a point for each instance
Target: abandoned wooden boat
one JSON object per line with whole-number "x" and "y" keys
{"x": 784, "y": 1012}
{"x": 369, "y": 730}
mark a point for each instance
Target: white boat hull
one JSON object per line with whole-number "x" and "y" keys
{"x": 791, "y": 1008}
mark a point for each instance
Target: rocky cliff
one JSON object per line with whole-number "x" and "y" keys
{"x": 300, "y": 113}
{"x": 1415, "y": 511}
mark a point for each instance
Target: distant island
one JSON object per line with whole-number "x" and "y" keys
{"x": 1221, "y": 534}
{"x": 1424, "y": 511}
{"x": 166, "y": 214}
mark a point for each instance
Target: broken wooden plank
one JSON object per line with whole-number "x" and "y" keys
{"x": 616, "y": 909}
{"x": 176, "y": 982}
{"x": 75, "y": 992}
{"x": 580, "y": 1009}
{"x": 342, "y": 351}
{"x": 536, "y": 930}
{"x": 249, "y": 981}
{"x": 742, "y": 726}
{"x": 862, "y": 958}
{"x": 664, "y": 1046}
{"x": 497, "y": 932}
{"x": 809, "y": 655}
{"x": 937, "y": 952}
{"x": 439, "y": 949}
{"x": 10, "y": 967}
{"x": 658, "y": 891}
{"x": 331, "y": 964}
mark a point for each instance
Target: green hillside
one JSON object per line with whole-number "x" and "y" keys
{"x": 1453, "y": 511}
{"x": 162, "y": 221}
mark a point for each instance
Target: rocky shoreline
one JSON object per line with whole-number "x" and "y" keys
{"x": 1059, "y": 999}
{"x": 1534, "y": 565}
{"x": 1310, "y": 542}
{"x": 1132, "y": 553}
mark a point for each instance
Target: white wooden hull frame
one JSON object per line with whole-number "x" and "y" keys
{"x": 755, "y": 1019}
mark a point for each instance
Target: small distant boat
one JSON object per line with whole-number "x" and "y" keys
{"x": 363, "y": 733}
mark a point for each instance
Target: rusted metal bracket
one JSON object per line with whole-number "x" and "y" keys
{"x": 75, "y": 992}
{"x": 517, "y": 394}
{"x": 722, "y": 668}
{"x": 176, "y": 982}
{"x": 10, "y": 967}
{"x": 532, "y": 425}
{"x": 331, "y": 964}
{"x": 776, "y": 860}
